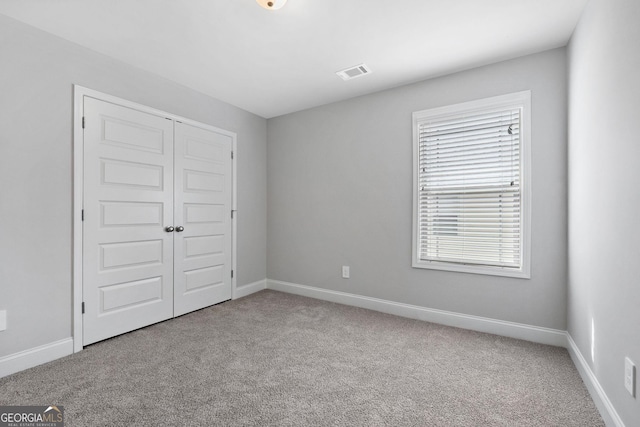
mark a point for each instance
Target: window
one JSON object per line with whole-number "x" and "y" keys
{"x": 471, "y": 186}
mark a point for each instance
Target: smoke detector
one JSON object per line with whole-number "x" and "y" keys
{"x": 353, "y": 72}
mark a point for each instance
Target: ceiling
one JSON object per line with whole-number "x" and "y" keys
{"x": 276, "y": 62}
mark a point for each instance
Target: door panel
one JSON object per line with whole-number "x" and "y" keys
{"x": 129, "y": 214}
{"x": 131, "y": 294}
{"x": 128, "y": 200}
{"x": 203, "y": 190}
{"x": 130, "y": 174}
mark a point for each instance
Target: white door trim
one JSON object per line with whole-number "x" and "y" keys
{"x": 79, "y": 92}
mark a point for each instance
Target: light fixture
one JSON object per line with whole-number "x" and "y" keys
{"x": 271, "y": 4}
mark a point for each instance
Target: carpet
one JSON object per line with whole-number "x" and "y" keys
{"x": 275, "y": 359}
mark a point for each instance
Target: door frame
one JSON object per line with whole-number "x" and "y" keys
{"x": 79, "y": 92}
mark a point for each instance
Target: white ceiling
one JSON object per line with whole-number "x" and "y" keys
{"x": 277, "y": 62}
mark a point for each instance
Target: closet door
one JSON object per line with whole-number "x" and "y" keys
{"x": 203, "y": 191}
{"x": 128, "y": 202}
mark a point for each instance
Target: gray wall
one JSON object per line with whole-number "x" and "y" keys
{"x": 37, "y": 72}
{"x": 340, "y": 193}
{"x": 604, "y": 194}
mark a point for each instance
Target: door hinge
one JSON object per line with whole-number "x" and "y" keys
{"x": 83, "y": 214}
{"x": 232, "y": 274}
{"x": 232, "y": 211}
{"x": 82, "y": 307}
{"x": 232, "y": 155}
{"x": 82, "y": 122}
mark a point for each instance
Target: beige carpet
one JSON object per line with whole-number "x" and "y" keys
{"x": 283, "y": 360}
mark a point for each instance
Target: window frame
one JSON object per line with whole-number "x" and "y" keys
{"x": 520, "y": 100}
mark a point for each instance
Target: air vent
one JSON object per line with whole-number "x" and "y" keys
{"x": 353, "y": 72}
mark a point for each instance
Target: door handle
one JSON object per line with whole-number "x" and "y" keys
{"x": 179, "y": 228}
{"x": 168, "y": 229}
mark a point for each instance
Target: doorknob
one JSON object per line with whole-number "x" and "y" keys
{"x": 168, "y": 229}
{"x": 179, "y": 228}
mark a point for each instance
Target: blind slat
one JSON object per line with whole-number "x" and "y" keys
{"x": 460, "y": 120}
{"x": 489, "y": 141}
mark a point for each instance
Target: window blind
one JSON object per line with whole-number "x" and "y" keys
{"x": 469, "y": 209}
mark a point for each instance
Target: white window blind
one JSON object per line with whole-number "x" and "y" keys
{"x": 469, "y": 187}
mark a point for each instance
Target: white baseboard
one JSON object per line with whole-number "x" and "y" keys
{"x": 600, "y": 398}
{"x": 475, "y": 323}
{"x": 35, "y": 356}
{"x": 243, "y": 291}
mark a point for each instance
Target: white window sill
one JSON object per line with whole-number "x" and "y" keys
{"x": 522, "y": 273}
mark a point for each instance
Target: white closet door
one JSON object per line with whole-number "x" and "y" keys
{"x": 203, "y": 190}
{"x": 128, "y": 202}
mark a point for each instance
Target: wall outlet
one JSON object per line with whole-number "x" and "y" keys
{"x": 3, "y": 320}
{"x": 345, "y": 271}
{"x": 630, "y": 376}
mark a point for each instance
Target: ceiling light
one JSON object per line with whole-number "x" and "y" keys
{"x": 271, "y": 4}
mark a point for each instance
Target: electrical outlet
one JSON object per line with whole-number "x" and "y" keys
{"x": 345, "y": 271}
{"x": 3, "y": 320}
{"x": 630, "y": 376}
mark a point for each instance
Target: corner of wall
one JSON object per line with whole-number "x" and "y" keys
{"x": 600, "y": 398}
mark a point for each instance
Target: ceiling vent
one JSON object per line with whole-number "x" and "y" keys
{"x": 353, "y": 72}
